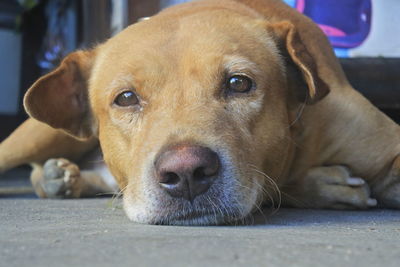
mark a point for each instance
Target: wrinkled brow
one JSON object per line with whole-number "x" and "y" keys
{"x": 236, "y": 64}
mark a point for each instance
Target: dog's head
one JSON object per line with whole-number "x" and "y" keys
{"x": 191, "y": 109}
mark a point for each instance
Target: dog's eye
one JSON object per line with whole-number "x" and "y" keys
{"x": 239, "y": 84}
{"x": 126, "y": 99}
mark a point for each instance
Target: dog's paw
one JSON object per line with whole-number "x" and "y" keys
{"x": 61, "y": 179}
{"x": 333, "y": 187}
{"x": 387, "y": 189}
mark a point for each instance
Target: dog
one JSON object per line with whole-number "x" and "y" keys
{"x": 203, "y": 113}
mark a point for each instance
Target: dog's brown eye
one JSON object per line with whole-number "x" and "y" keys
{"x": 240, "y": 84}
{"x": 126, "y": 99}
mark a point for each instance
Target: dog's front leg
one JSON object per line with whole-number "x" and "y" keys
{"x": 329, "y": 187}
{"x": 60, "y": 178}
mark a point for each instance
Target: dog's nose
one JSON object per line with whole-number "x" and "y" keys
{"x": 187, "y": 171}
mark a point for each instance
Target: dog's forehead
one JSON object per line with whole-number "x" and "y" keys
{"x": 219, "y": 32}
{"x": 168, "y": 48}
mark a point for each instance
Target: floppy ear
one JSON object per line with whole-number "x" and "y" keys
{"x": 60, "y": 98}
{"x": 297, "y": 54}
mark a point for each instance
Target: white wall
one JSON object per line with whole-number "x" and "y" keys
{"x": 384, "y": 38}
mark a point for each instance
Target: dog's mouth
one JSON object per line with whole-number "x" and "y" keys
{"x": 196, "y": 217}
{"x": 212, "y": 216}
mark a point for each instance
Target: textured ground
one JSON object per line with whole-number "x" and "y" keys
{"x": 35, "y": 232}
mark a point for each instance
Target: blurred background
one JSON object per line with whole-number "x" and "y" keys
{"x": 36, "y": 34}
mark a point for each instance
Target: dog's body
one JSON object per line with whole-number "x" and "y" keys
{"x": 202, "y": 111}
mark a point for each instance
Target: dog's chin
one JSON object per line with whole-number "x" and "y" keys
{"x": 185, "y": 219}
{"x": 190, "y": 219}
{"x": 184, "y": 213}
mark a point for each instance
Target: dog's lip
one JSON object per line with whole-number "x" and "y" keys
{"x": 188, "y": 218}
{"x": 195, "y": 214}
{"x": 197, "y": 217}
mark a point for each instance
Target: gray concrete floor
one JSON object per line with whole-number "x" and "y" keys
{"x": 95, "y": 232}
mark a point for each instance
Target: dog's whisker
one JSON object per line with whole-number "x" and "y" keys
{"x": 220, "y": 209}
{"x": 273, "y": 185}
{"x": 258, "y": 207}
{"x": 299, "y": 113}
{"x": 274, "y": 207}
{"x": 295, "y": 200}
{"x": 265, "y": 192}
{"x": 258, "y": 204}
{"x": 240, "y": 215}
{"x": 213, "y": 210}
{"x": 117, "y": 195}
{"x": 259, "y": 201}
{"x": 233, "y": 214}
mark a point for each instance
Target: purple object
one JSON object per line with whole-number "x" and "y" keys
{"x": 347, "y": 23}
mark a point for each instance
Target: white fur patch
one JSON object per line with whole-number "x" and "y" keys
{"x": 94, "y": 162}
{"x": 106, "y": 175}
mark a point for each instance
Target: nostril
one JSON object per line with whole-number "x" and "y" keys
{"x": 199, "y": 173}
{"x": 170, "y": 178}
{"x": 203, "y": 172}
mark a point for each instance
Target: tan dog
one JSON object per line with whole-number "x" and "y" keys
{"x": 203, "y": 112}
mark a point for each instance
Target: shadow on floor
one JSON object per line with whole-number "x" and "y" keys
{"x": 16, "y": 184}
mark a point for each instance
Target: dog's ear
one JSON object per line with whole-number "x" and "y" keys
{"x": 296, "y": 54}
{"x": 60, "y": 98}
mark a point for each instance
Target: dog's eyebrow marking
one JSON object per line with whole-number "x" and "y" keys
{"x": 121, "y": 80}
{"x": 241, "y": 64}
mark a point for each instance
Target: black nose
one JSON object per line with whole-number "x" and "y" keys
{"x": 187, "y": 171}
